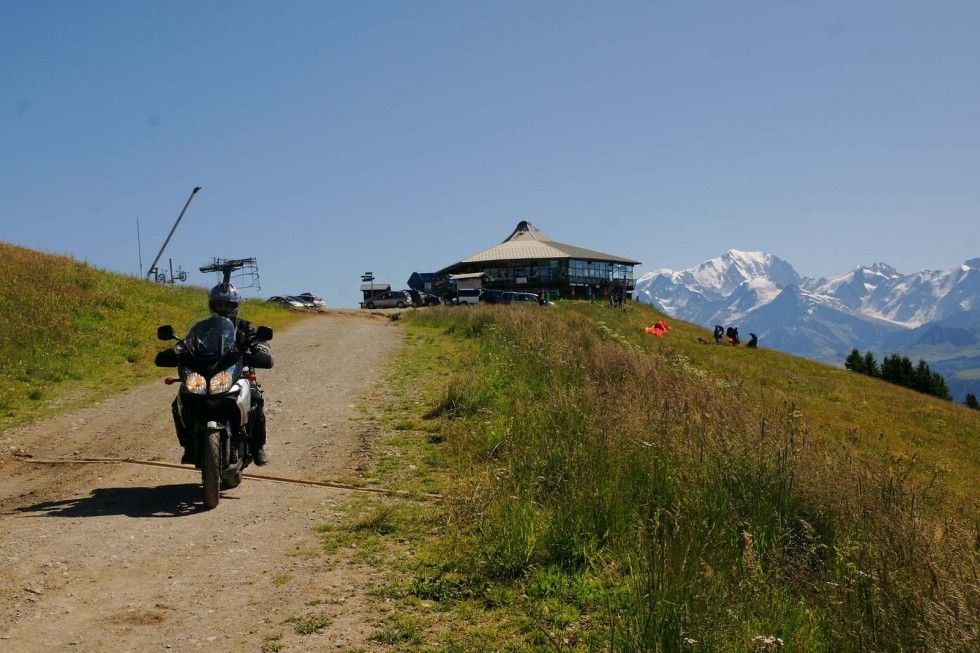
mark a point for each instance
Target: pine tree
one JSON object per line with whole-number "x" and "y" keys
{"x": 938, "y": 387}
{"x": 904, "y": 373}
{"x": 871, "y": 365}
{"x": 971, "y": 401}
{"x": 855, "y": 361}
{"x": 891, "y": 369}
{"x": 921, "y": 379}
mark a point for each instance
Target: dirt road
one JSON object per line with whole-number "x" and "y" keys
{"x": 121, "y": 557}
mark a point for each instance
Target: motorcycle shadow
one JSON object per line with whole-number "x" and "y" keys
{"x": 177, "y": 500}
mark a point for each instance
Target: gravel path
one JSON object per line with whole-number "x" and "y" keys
{"x": 103, "y": 557}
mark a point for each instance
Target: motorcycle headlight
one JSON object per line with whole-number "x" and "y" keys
{"x": 195, "y": 383}
{"x": 221, "y": 382}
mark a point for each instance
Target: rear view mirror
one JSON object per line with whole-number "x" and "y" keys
{"x": 166, "y": 332}
{"x": 260, "y": 360}
{"x": 264, "y": 333}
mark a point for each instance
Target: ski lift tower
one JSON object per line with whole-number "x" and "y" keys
{"x": 153, "y": 272}
{"x": 243, "y": 270}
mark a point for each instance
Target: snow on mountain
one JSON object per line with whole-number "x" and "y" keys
{"x": 869, "y": 307}
{"x": 907, "y": 300}
{"x": 695, "y": 293}
{"x": 814, "y": 326}
{"x": 713, "y": 290}
{"x": 855, "y": 286}
{"x": 719, "y": 277}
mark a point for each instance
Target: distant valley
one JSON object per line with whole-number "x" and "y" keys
{"x": 933, "y": 315}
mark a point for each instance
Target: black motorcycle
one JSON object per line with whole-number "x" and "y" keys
{"x": 215, "y": 397}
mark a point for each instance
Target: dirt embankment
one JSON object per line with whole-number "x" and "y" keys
{"x": 99, "y": 557}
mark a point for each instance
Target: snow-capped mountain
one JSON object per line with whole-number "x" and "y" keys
{"x": 871, "y": 307}
{"x": 911, "y": 300}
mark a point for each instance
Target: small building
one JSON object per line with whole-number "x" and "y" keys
{"x": 425, "y": 281}
{"x": 437, "y": 284}
{"x": 471, "y": 281}
{"x": 369, "y": 290}
{"x": 529, "y": 261}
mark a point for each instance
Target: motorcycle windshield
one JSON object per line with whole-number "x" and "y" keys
{"x": 211, "y": 338}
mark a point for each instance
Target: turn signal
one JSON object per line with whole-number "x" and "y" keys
{"x": 170, "y": 380}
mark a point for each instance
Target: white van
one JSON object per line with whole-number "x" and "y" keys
{"x": 468, "y": 296}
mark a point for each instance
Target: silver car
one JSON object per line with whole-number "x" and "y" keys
{"x": 393, "y": 299}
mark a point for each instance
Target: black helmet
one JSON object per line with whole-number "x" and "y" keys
{"x": 223, "y": 301}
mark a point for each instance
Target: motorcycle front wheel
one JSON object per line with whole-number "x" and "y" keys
{"x": 211, "y": 469}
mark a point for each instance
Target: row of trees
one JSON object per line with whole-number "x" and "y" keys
{"x": 900, "y": 371}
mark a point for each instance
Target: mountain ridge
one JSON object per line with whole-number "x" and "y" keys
{"x": 870, "y": 307}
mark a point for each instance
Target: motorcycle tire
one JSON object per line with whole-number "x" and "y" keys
{"x": 211, "y": 470}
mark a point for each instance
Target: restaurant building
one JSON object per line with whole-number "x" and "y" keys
{"x": 529, "y": 261}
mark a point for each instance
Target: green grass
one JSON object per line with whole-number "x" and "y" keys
{"x": 71, "y": 334}
{"x": 311, "y": 625}
{"x": 611, "y": 489}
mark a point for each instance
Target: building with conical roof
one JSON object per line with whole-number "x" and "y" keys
{"x": 529, "y": 261}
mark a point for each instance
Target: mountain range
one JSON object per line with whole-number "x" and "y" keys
{"x": 933, "y": 315}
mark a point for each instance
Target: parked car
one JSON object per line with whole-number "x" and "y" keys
{"x": 303, "y": 302}
{"x": 309, "y": 297}
{"x": 467, "y": 296}
{"x": 521, "y": 298}
{"x": 420, "y": 298}
{"x": 491, "y": 296}
{"x": 288, "y": 302}
{"x": 392, "y": 299}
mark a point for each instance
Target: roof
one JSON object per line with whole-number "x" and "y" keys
{"x": 427, "y": 276}
{"x": 375, "y": 286}
{"x": 526, "y": 243}
{"x": 470, "y": 275}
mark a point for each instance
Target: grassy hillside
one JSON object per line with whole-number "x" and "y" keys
{"x": 70, "y": 333}
{"x": 613, "y": 489}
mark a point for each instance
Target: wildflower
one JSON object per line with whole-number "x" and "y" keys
{"x": 766, "y": 642}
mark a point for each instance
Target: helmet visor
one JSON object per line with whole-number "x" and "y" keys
{"x": 224, "y": 307}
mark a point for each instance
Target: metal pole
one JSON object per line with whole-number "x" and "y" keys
{"x": 169, "y": 236}
{"x": 139, "y": 245}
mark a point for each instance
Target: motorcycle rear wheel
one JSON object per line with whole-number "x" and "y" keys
{"x": 211, "y": 470}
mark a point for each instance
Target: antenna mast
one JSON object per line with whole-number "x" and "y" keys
{"x": 139, "y": 245}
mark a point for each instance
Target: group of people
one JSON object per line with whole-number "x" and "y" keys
{"x": 732, "y": 334}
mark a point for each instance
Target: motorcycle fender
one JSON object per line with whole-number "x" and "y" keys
{"x": 243, "y": 399}
{"x": 180, "y": 408}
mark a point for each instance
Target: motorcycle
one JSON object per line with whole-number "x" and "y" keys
{"x": 215, "y": 397}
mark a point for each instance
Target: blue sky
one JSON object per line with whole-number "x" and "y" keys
{"x": 335, "y": 138}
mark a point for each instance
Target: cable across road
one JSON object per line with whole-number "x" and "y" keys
{"x": 424, "y": 496}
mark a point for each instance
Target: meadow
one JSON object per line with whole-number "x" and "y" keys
{"x": 636, "y": 493}
{"x": 71, "y": 333}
